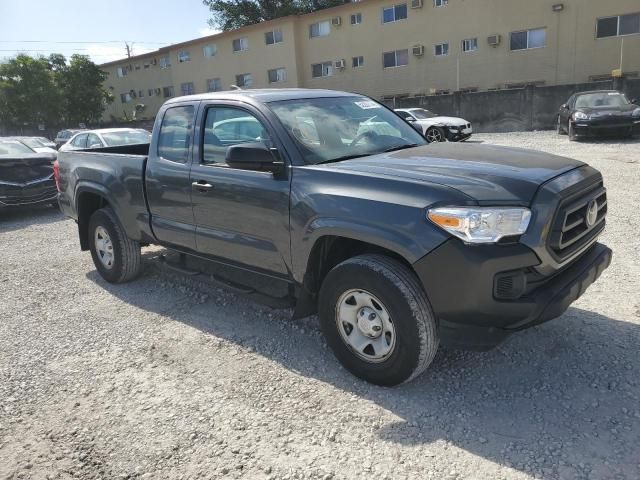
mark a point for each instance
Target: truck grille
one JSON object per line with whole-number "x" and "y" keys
{"x": 579, "y": 219}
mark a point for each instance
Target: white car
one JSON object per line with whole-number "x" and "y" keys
{"x": 437, "y": 128}
{"x": 106, "y": 137}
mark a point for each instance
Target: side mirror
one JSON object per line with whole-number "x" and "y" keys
{"x": 252, "y": 156}
{"x": 635, "y": 101}
{"x": 563, "y": 106}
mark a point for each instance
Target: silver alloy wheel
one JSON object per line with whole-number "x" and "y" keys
{"x": 104, "y": 247}
{"x": 434, "y": 135}
{"x": 365, "y": 325}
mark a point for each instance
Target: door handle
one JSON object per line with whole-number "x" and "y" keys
{"x": 202, "y": 185}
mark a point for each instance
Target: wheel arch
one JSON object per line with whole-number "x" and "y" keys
{"x": 88, "y": 199}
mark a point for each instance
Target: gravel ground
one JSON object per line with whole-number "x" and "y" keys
{"x": 168, "y": 377}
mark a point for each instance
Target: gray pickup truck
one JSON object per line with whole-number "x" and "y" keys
{"x": 399, "y": 246}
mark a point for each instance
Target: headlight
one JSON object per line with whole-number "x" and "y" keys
{"x": 580, "y": 116}
{"x": 481, "y": 224}
{"x": 636, "y": 113}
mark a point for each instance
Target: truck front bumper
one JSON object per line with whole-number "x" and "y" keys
{"x": 482, "y": 294}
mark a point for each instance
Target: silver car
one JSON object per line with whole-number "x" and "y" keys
{"x": 106, "y": 137}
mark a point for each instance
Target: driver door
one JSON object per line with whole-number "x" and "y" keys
{"x": 240, "y": 215}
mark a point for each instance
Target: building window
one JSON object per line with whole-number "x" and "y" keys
{"x": 146, "y": 65}
{"x": 140, "y": 93}
{"x": 397, "y": 58}
{"x": 271, "y": 38}
{"x": 167, "y": 92}
{"x": 320, "y": 29}
{"x": 356, "y": 19}
{"x": 125, "y": 97}
{"x": 534, "y": 38}
{"x": 441, "y": 49}
{"x": 165, "y": 62}
{"x": 150, "y": 92}
{"x": 277, "y": 75}
{"x": 187, "y": 88}
{"x": 470, "y": 45}
{"x": 137, "y": 66}
{"x": 395, "y": 13}
{"x": 244, "y": 80}
{"x": 214, "y": 85}
{"x": 357, "y": 61}
{"x": 240, "y": 44}
{"x": 324, "y": 69}
{"x": 617, "y": 26}
{"x": 440, "y": 3}
{"x": 184, "y": 56}
{"x": 122, "y": 71}
{"x": 209, "y": 51}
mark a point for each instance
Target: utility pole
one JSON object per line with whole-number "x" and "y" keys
{"x": 129, "y": 49}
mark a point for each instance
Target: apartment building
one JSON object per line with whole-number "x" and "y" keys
{"x": 394, "y": 48}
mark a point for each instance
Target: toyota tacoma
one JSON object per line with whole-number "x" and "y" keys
{"x": 399, "y": 246}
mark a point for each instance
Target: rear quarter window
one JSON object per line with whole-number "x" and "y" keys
{"x": 174, "y": 138}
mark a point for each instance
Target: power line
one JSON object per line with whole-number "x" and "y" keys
{"x": 91, "y": 42}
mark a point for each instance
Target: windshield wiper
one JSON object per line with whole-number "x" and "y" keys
{"x": 401, "y": 147}
{"x": 345, "y": 157}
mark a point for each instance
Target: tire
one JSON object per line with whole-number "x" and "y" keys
{"x": 397, "y": 292}
{"x": 435, "y": 134}
{"x": 559, "y": 128}
{"x": 571, "y": 132}
{"x": 125, "y": 262}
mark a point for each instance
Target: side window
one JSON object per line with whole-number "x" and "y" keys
{"x": 225, "y": 126}
{"x": 93, "y": 141}
{"x": 174, "y": 138}
{"x": 80, "y": 141}
{"x": 406, "y": 115}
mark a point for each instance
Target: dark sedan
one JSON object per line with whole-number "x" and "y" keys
{"x": 26, "y": 177}
{"x": 601, "y": 112}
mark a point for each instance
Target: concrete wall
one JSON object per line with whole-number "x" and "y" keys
{"x": 530, "y": 108}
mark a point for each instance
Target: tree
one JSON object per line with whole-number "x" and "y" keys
{"x": 231, "y": 14}
{"x": 28, "y": 95}
{"x": 51, "y": 91}
{"x": 84, "y": 97}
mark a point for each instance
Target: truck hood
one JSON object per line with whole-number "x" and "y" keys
{"x": 485, "y": 173}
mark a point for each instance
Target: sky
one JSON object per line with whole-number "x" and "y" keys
{"x": 98, "y": 28}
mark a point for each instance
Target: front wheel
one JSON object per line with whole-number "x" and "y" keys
{"x": 435, "y": 134}
{"x": 571, "y": 131}
{"x": 377, "y": 319}
{"x": 116, "y": 257}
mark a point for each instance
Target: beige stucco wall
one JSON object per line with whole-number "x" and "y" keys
{"x": 571, "y": 55}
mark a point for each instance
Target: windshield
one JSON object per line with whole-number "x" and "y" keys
{"x": 13, "y": 147}
{"x": 336, "y": 128}
{"x": 601, "y": 99}
{"x": 422, "y": 114}
{"x": 32, "y": 142}
{"x": 127, "y": 137}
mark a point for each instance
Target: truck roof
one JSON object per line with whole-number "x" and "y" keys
{"x": 264, "y": 95}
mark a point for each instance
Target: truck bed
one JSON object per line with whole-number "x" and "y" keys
{"x": 117, "y": 173}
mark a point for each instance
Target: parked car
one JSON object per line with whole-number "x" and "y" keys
{"x": 437, "y": 128}
{"x": 63, "y": 136}
{"x": 26, "y": 177}
{"x": 598, "y": 112}
{"x": 46, "y": 142}
{"x": 35, "y": 144}
{"x": 399, "y": 245}
{"x": 106, "y": 137}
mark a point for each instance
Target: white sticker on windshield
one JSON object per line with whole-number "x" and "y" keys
{"x": 367, "y": 105}
{"x": 613, "y": 93}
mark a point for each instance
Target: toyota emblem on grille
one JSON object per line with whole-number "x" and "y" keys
{"x": 592, "y": 213}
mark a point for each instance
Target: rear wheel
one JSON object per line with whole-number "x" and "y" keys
{"x": 116, "y": 256}
{"x": 435, "y": 134}
{"x": 377, "y": 319}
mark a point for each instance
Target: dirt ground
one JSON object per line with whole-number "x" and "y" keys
{"x": 170, "y": 378}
